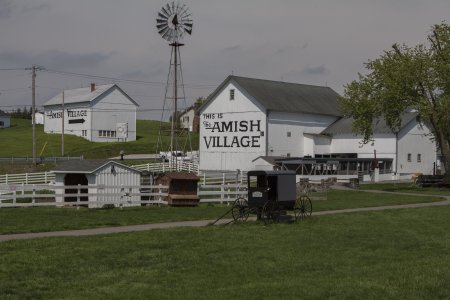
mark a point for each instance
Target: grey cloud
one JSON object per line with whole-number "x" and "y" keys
{"x": 319, "y": 70}
{"x": 6, "y": 7}
{"x": 53, "y": 59}
{"x": 32, "y": 8}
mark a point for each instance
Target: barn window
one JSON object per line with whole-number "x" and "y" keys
{"x": 409, "y": 157}
{"x": 2, "y": 123}
{"x": 289, "y": 134}
{"x": 419, "y": 157}
{"x": 232, "y": 94}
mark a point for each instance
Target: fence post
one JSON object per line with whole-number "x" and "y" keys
{"x": 33, "y": 200}
{"x": 222, "y": 196}
{"x": 78, "y": 196}
{"x": 6, "y": 177}
{"x": 159, "y": 192}
{"x": 26, "y": 178}
{"x": 45, "y": 176}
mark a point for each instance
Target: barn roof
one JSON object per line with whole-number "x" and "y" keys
{"x": 85, "y": 95}
{"x": 3, "y": 114}
{"x": 344, "y": 125}
{"x": 85, "y": 166}
{"x": 286, "y": 97}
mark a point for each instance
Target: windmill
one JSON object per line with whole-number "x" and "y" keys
{"x": 174, "y": 22}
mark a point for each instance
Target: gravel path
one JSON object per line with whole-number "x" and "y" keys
{"x": 203, "y": 223}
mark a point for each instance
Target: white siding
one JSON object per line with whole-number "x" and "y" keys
{"x": 232, "y": 132}
{"x": 298, "y": 124}
{"x": 109, "y": 110}
{"x": 415, "y": 139}
{"x": 86, "y": 119}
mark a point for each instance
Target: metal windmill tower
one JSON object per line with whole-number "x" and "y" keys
{"x": 173, "y": 22}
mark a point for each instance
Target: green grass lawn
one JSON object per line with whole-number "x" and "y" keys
{"x": 405, "y": 187}
{"x": 19, "y": 141}
{"x": 38, "y": 219}
{"x": 398, "y": 254}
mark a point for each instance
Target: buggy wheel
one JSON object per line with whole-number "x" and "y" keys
{"x": 240, "y": 210}
{"x": 270, "y": 213}
{"x": 302, "y": 207}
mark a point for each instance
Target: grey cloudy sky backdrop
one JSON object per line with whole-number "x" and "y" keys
{"x": 319, "y": 42}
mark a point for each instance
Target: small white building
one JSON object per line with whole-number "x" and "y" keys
{"x": 249, "y": 123}
{"x": 39, "y": 118}
{"x": 102, "y": 113}
{"x": 105, "y": 177}
{"x": 5, "y": 120}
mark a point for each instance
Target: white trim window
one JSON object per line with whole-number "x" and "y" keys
{"x": 107, "y": 133}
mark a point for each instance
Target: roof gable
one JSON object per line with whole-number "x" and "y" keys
{"x": 85, "y": 95}
{"x": 284, "y": 96}
{"x": 87, "y": 166}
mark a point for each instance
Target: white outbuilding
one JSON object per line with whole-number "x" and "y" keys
{"x": 102, "y": 113}
{"x": 249, "y": 123}
{"x": 110, "y": 182}
{"x": 5, "y": 120}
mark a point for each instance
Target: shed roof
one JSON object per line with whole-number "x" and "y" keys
{"x": 85, "y": 95}
{"x": 286, "y": 97}
{"x": 344, "y": 125}
{"x": 180, "y": 175}
{"x": 86, "y": 166}
{"x": 3, "y": 114}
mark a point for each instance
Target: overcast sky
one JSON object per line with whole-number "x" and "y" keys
{"x": 319, "y": 42}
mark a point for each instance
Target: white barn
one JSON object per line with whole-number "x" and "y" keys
{"x": 245, "y": 118}
{"x": 97, "y": 173}
{"x": 249, "y": 123}
{"x": 102, "y": 113}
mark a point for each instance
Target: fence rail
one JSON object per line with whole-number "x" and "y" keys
{"x": 26, "y": 195}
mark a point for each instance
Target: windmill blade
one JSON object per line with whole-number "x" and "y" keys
{"x": 169, "y": 11}
{"x": 188, "y": 30}
{"x": 163, "y": 31}
{"x": 161, "y": 26}
{"x": 162, "y": 16}
{"x": 188, "y": 25}
{"x": 164, "y": 13}
{"x": 161, "y": 21}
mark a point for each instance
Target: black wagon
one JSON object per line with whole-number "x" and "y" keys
{"x": 271, "y": 195}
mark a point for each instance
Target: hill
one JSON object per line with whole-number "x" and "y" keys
{"x": 17, "y": 142}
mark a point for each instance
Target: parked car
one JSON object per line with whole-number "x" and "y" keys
{"x": 179, "y": 155}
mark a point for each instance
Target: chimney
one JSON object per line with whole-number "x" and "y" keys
{"x": 92, "y": 87}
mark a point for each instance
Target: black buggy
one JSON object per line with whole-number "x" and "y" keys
{"x": 271, "y": 195}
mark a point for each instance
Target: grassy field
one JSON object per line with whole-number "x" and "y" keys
{"x": 399, "y": 254}
{"x": 19, "y": 141}
{"x": 405, "y": 187}
{"x": 38, "y": 219}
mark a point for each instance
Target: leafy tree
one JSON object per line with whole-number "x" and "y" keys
{"x": 404, "y": 78}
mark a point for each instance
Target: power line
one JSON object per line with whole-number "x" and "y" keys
{"x": 13, "y": 69}
{"x": 124, "y": 80}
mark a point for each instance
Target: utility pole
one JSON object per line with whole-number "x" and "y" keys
{"x": 62, "y": 131}
{"x": 33, "y": 109}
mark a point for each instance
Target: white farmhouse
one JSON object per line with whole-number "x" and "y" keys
{"x": 102, "y": 113}
{"x": 249, "y": 123}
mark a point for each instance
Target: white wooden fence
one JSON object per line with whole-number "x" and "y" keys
{"x": 48, "y": 177}
{"x": 26, "y": 195}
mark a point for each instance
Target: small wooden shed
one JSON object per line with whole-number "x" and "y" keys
{"x": 182, "y": 188}
{"x": 112, "y": 182}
